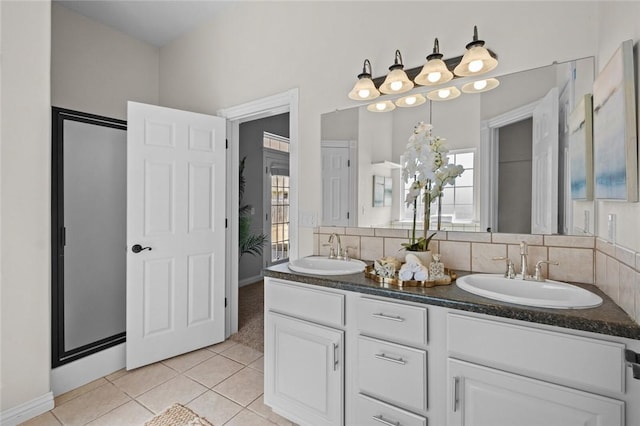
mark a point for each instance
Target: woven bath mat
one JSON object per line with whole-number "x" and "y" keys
{"x": 177, "y": 415}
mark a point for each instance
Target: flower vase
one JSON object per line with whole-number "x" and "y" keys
{"x": 423, "y": 256}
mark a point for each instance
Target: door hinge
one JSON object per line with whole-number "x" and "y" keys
{"x": 225, "y": 302}
{"x": 63, "y": 236}
{"x": 266, "y": 170}
{"x": 347, "y": 215}
{"x": 226, "y": 223}
{"x": 348, "y": 163}
{"x": 226, "y": 144}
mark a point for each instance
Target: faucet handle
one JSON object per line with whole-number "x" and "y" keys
{"x": 332, "y": 252}
{"x": 523, "y": 247}
{"x": 537, "y": 275}
{"x": 510, "y": 272}
{"x": 345, "y": 252}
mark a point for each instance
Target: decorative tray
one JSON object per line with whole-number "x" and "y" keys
{"x": 450, "y": 276}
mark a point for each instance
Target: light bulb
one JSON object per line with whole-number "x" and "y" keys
{"x": 380, "y": 106}
{"x": 364, "y": 93}
{"x": 444, "y": 93}
{"x": 396, "y": 85}
{"x": 480, "y": 84}
{"x": 475, "y": 66}
{"x": 411, "y": 100}
{"x": 434, "y": 76}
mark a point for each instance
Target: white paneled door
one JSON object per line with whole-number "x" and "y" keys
{"x": 175, "y": 232}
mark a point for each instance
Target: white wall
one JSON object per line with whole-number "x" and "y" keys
{"x": 25, "y": 125}
{"x": 97, "y": 69}
{"x": 618, "y": 22}
{"x": 256, "y": 49}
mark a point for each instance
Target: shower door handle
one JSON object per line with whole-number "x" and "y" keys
{"x": 137, "y": 248}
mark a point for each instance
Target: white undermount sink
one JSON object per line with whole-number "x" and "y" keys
{"x": 322, "y": 265}
{"x": 543, "y": 294}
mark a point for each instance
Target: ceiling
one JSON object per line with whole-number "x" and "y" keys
{"x": 156, "y": 22}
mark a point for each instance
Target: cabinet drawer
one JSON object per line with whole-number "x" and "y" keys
{"x": 371, "y": 412}
{"x": 392, "y": 372}
{"x": 316, "y": 305}
{"x": 581, "y": 362}
{"x": 393, "y": 321}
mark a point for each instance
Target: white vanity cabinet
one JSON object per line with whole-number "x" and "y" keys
{"x": 304, "y": 353}
{"x": 504, "y": 374}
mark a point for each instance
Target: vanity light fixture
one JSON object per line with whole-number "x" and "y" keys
{"x": 382, "y": 106}
{"x": 397, "y": 80}
{"x": 444, "y": 94}
{"x": 480, "y": 86}
{"x": 364, "y": 89}
{"x": 411, "y": 101}
{"x": 476, "y": 60}
{"x": 435, "y": 71}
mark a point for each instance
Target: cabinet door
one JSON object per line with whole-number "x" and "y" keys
{"x": 304, "y": 368}
{"x": 481, "y": 396}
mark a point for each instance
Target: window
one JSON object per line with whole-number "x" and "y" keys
{"x": 275, "y": 142}
{"x": 458, "y": 208}
{"x": 279, "y": 217}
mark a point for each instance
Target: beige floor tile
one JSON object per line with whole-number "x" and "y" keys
{"x": 258, "y": 364}
{"x": 213, "y": 371}
{"x": 116, "y": 375}
{"x": 258, "y": 407}
{"x": 139, "y": 381}
{"x": 248, "y": 418}
{"x": 184, "y": 362}
{"x": 181, "y": 390}
{"x": 243, "y": 387}
{"x": 46, "y": 419}
{"x": 91, "y": 405}
{"x": 61, "y": 399}
{"x": 129, "y": 414}
{"x": 220, "y": 347}
{"x": 214, "y": 407}
{"x": 242, "y": 353}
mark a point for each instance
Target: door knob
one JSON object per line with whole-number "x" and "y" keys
{"x": 137, "y": 248}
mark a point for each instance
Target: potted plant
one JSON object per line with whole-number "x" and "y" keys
{"x": 425, "y": 162}
{"x": 248, "y": 241}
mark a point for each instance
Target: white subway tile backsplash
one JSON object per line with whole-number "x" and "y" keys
{"x": 353, "y": 243}
{"x": 371, "y": 248}
{"x": 613, "y": 279}
{"x": 394, "y": 233}
{"x": 483, "y": 258}
{"x": 605, "y": 247}
{"x": 500, "y": 238}
{"x": 393, "y": 247}
{"x": 627, "y": 290}
{"x": 481, "y": 237}
{"x": 340, "y": 230}
{"x": 369, "y": 232}
{"x": 456, "y": 255}
{"x": 569, "y": 241}
{"x": 535, "y": 253}
{"x": 575, "y": 264}
{"x": 601, "y": 271}
{"x": 626, "y": 256}
{"x": 637, "y": 290}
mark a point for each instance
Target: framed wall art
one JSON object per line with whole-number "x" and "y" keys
{"x": 581, "y": 149}
{"x": 615, "y": 145}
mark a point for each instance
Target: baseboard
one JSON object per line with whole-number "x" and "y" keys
{"x": 77, "y": 373}
{"x": 27, "y": 410}
{"x": 250, "y": 280}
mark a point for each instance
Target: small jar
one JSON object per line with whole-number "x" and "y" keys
{"x": 436, "y": 268}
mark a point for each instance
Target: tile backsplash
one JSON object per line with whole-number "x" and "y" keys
{"x": 584, "y": 259}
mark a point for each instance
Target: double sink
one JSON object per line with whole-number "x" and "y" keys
{"x": 544, "y": 294}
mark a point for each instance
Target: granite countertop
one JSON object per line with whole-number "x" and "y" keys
{"x": 608, "y": 318}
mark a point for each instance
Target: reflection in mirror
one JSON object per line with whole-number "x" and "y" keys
{"x": 513, "y": 141}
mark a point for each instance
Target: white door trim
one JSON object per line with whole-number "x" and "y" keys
{"x": 259, "y": 108}
{"x": 488, "y": 161}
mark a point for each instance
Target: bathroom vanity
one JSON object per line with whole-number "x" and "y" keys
{"x": 346, "y": 350}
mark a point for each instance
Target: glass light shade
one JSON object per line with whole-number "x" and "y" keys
{"x": 396, "y": 82}
{"x": 475, "y": 61}
{"x": 444, "y": 94}
{"x": 480, "y": 86}
{"x": 382, "y": 106}
{"x": 364, "y": 90}
{"x": 434, "y": 72}
{"x": 411, "y": 101}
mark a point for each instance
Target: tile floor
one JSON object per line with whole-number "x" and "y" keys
{"x": 223, "y": 383}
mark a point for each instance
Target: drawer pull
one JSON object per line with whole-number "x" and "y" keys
{"x": 335, "y": 356}
{"x": 385, "y": 421}
{"x": 454, "y": 396}
{"x": 388, "y": 317}
{"x": 390, "y": 359}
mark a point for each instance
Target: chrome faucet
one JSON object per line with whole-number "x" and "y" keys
{"x": 538, "y": 271}
{"x": 335, "y": 253}
{"x": 509, "y": 273}
{"x": 523, "y": 260}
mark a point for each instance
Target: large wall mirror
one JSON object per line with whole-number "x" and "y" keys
{"x": 514, "y": 142}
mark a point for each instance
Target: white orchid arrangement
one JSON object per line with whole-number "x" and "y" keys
{"x": 425, "y": 162}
